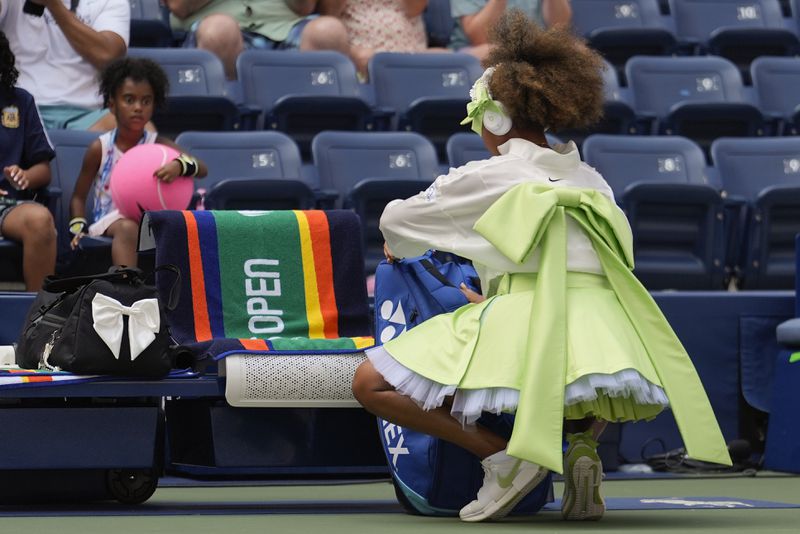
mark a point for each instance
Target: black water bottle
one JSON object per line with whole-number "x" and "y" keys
{"x": 32, "y": 8}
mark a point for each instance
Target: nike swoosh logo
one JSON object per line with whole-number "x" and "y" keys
{"x": 507, "y": 480}
{"x": 550, "y": 179}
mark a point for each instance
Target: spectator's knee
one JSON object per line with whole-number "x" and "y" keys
{"x": 39, "y": 226}
{"x": 325, "y": 33}
{"x": 127, "y": 230}
{"x": 220, "y": 35}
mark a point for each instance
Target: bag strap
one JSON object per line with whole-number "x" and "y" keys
{"x": 433, "y": 271}
{"x": 175, "y": 288}
{"x": 55, "y": 284}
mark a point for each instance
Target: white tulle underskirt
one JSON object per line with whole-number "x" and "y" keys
{"x": 468, "y": 404}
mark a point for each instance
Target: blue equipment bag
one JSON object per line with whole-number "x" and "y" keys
{"x": 432, "y": 476}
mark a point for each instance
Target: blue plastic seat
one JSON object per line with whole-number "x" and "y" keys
{"x": 95, "y": 253}
{"x": 260, "y": 194}
{"x": 675, "y": 210}
{"x": 739, "y": 31}
{"x": 149, "y": 25}
{"x": 428, "y": 92}
{"x": 368, "y": 170}
{"x": 197, "y": 98}
{"x": 257, "y": 155}
{"x": 763, "y": 176}
{"x": 303, "y": 93}
{"x": 439, "y": 22}
{"x": 776, "y": 81}
{"x": 698, "y": 97}
{"x": 620, "y": 30}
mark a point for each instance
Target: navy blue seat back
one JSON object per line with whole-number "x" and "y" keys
{"x": 303, "y": 93}
{"x": 198, "y": 98}
{"x": 70, "y": 147}
{"x": 465, "y": 147}
{"x": 675, "y": 214}
{"x": 428, "y": 92}
{"x": 190, "y": 71}
{"x": 343, "y": 159}
{"x": 776, "y": 81}
{"x": 15, "y": 307}
{"x": 739, "y": 31}
{"x": 624, "y": 160}
{"x": 439, "y": 22}
{"x": 149, "y": 26}
{"x": 368, "y": 170}
{"x": 701, "y": 98}
{"x": 258, "y": 154}
{"x": 764, "y": 174}
{"x": 622, "y": 29}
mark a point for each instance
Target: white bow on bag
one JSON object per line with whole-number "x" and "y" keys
{"x": 144, "y": 322}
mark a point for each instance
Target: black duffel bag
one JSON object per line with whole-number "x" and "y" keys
{"x": 109, "y": 324}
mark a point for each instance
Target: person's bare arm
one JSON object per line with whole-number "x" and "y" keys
{"x": 91, "y": 164}
{"x": 556, "y": 13}
{"x": 98, "y": 48}
{"x": 184, "y": 8}
{"x": 476, "y": 26}
{"x": 34, "y": 177}
{"x": 302, "y": 7}
{"x": 172, "y": 169}
{"x": 414, "y": 8}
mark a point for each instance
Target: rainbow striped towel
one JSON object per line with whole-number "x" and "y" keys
{"x": 274, "y": 280}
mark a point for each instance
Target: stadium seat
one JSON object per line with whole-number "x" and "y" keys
{"x": 257, "y": 155}
{"x": 763, "y": 176}
{"x": 95, "y": 255}
{"x": 149, "y": 27}
{"x": 698, "y": 97}
{"x": 197, "y": 98}
{"x": 370, "y": 169}
{"x": 428, "y": 92}
{"x": 776, "y": 81}
{"x": 739, "y": 31}
{"x": 259, "y": 194}
{"x": 439, "y": 22}
{"x": 303, "y": 93}
{"x": 675, "y": 210}
{"x": 620, "y": 30}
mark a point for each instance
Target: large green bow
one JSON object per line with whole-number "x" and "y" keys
{"x": 480, "y": 103}
{"x": 533, "y": 215}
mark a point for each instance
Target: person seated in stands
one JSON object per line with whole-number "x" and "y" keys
{"x": 384, "y": 26}
{"x": 475, "y": 17}
{"x": 132, "y": 89}
{"x": 25, "y": 155}
{"x": 227, "y": 27}
{"x": 60, "y": 46}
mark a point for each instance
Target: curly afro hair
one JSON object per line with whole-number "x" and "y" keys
{"x": 138, "y": 70}
{"x": 544, "y": 78}
{"x": 8, "y": 72}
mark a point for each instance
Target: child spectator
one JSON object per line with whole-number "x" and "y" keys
{"x": 132, "y": 89}
{"x": 566, "y": 330}
{"x": 25, "y": 155}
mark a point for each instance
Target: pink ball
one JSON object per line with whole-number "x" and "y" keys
{"x": 135, "y": 190}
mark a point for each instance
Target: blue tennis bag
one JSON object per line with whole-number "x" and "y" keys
{"x": 432, "y": 476}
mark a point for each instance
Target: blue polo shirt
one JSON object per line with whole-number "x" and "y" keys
{"x": 22, "y": 138}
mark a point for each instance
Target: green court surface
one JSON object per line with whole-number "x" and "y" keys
{"x": 365, "y": 508}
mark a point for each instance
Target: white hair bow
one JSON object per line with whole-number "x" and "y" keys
{"x": 144, "y": 322}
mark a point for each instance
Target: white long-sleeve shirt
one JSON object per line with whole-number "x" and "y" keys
{"x": 442, "y": 217}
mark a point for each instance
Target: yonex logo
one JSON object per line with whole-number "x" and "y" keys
{"x": 395, "y": 315}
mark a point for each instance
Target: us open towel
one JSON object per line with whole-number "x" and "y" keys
{"x": 271, "y": 280}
